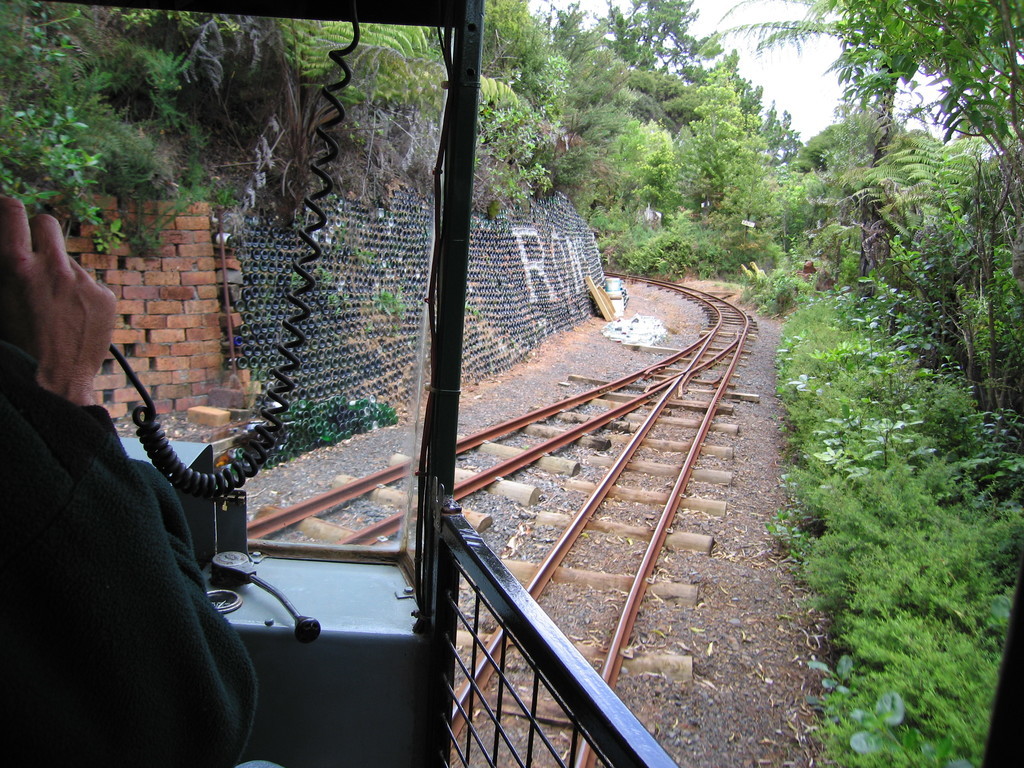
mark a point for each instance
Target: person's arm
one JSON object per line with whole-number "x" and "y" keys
{"x": 142, "y": 670}
{"x": 49, "y": 306}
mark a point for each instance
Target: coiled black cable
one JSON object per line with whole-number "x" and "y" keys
{"x": 151, "y": 434}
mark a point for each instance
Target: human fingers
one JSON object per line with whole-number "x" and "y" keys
{"x": 48, "y": 244}
{"x": 15, "y": 235}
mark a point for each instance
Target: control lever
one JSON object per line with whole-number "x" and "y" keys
{"x": 234, "y": 568}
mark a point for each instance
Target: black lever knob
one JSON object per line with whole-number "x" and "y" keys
{"x": 238, "y": 567}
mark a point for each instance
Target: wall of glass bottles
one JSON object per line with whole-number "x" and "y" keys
{"x": 365, "y": 335}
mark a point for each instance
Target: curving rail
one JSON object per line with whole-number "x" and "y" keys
{"x": 718, "y": 350}
{"x": 725, "y": 319}
{"x": 643, "y": 396}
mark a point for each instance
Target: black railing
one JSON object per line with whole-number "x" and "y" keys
{"x": 519, "y": 693}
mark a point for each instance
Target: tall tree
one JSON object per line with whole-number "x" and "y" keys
{"x": 872, "y": 78}
{"x": 723, "y": 153}
{"x": 654, "y": 34}
{"x": 972, "y": 48}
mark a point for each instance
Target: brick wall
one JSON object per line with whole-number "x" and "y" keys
{"x": 170, "y": 322}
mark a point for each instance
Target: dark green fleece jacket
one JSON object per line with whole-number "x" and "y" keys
{"x": 111, "y": 653}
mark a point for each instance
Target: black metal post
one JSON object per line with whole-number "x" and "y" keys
{"x": 438, "y": 578}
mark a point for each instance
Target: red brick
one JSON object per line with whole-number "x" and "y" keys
{"x": 131, "y": 306}
{"x": 203, "y": 236}
{"x": 98, "y": 261}
{"x": 190, "y": 223}
{"x": 166, "y": 336}
{"x": 208, "y": 292}
{"x": 173, "y": 390}
{"x": 176, "y": 264}
{"x": 88, "y": 230}
{"x": 143, "y": 263}
{"x": 180, "y": 292}
{"x": 201, "y": 306}
{"x": 206, "y": 361}
{"x": 162, "y": 278}
{"x": 203, "y": 334}
{"x": 164, "y": 406}
{"x": 126, "y": 395}
{"x": 207, "y": 277}
{"x": 168, "y": 363}
{"x": 207, "y": 264}
{"x": 189, "y": 375}
{"x": 184, "y": 403}
{"x": 156, "y": 378}
{"x": 122, "y": 277}
{"x": 187, "y": 348}
{"x": 200, "y": 209}
{"x": 207, "y": 347}
{"x": 150, "y": 321}
{"x": 139, "y": 364}
{"x": 140, "y": 292}
{"x": 196, "y": 250}
{"x": 155, "y": 351}
{"x": 128, "y": 336}
{"x": 164, "y": 307}
{"x": 79, "y": 245}
{"x": 117, "y": 290}
{"x": 185, "y": 321}
{"x": 174, "y": 236}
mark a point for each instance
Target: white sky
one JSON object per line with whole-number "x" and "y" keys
{"x": 797, "y": 82}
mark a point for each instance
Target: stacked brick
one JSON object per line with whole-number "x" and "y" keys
{"x": 170, "y": 320}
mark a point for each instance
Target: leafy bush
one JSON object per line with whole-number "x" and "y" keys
{"x": 905, "y": 535}
{"x": 775, "y": 293}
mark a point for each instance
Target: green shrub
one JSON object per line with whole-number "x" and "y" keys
{"x": 906, "y": 533}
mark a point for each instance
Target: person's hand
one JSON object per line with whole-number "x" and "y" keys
{"x": 50, "y": 306}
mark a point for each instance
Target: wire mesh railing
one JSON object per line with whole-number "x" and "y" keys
{"x": 518, "y": 692}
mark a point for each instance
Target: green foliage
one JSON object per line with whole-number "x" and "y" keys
{"x": 512, "y": 135}
{"x": 42, "y": 160}
{"x": 906, "y": 543}
{"x": 654, "y": 34}
{"x": 884, "y": 732}
{"x": 775, "y": 293}
{"x": 389, "y": 303}
{"x": 723, "y": 153}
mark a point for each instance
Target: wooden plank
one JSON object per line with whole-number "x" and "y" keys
{"x": 666, "y": 351}
{"x": 694, "y": 542}
{"x": 623, "y": 493}
{"x": 604, "y": 304}
{"x": 683, "y": 593}
{"x": 715, "y": 476}
{"x": 587, "y": 380}
{"x": 554, "y": 464}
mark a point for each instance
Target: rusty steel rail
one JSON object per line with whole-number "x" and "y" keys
{"x": 280, "y": 519}
{"x": 726, "y": 318}
{"x": 624, "y": 629}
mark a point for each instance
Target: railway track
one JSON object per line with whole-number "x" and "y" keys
{"x": 621, "y": 406}
{"x": 647, "y": 433}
